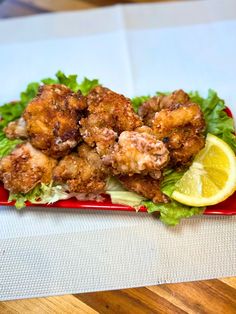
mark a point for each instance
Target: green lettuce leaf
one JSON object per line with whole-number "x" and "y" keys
{"x": 170, "y": 177}
{"x": 217, "y": 120}
{"x": 6, "y": 146}
{"x": 2, "y": 135}
{"x": 71, "y": 81}
{"x": 30, "y": 92}
{"x": 13, "y": 110}
{"x": 171, "y": 213}
{"x": 86, "y": 85}
{"x": 49, "y": 81}
{"x": 41, "y": 194}
{"x": 138, "y": 101}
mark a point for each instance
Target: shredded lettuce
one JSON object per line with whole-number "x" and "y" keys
{"x": 119, "y": 195}
{"x": 114, "y": 185}
{"x": 6, "y": 146}
{"x": 126, "y": 198}
{"x": 20, "y": 198}
{"x": 40, "y": 194}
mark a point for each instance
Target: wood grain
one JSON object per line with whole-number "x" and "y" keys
{"x": 211, "y": 296}
{"x": 63, "y": 304}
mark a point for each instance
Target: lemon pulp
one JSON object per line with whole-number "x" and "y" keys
{"x": 211, "y": 177}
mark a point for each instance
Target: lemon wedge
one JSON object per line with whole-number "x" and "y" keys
{"x": 211, "y": 178}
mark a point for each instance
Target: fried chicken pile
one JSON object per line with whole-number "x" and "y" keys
{"x": 79, "y": 141}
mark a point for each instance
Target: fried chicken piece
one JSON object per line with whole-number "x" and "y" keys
{"x": 148, "y": 109}
{"x": 168, "y": 120}
{"x": 24, "y": 168}
{"x": 137, "y": 152}
{"x": 16, "y": 129}
{"x": 144, "y": 185}
{"x": 190, "y": 147}
{"x": 109, "y": 115}
{"x": 52, "y": 119}
{"x": 178, "y": 123}
{"x": 95, "y": 135}
{"x": 181, "y": 128}
{"x": 83, "y": 172}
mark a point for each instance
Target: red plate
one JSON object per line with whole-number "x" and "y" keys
{"x": 228, "y": 207}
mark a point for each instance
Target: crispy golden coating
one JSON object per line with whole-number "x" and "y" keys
{"x": 103, "y": 138}
{"x": 148, "y": 109}
{"x": 181, "y": 129}
{"x": 189, "y": 147}
{"x": 178, "y": 123}
{"x": 168, "y": 120}
{"x": 52, "y": 119}
{"x": 16, "y": 129}
{"x": 24, "y": 168}
{"x": 144, "y": 185}
{"x": 83, "y": 172}
{"x": 109, "y": 115}
{"x": 137, "y": 152}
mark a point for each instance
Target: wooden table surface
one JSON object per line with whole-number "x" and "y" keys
{"x": 210, "y": 296}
